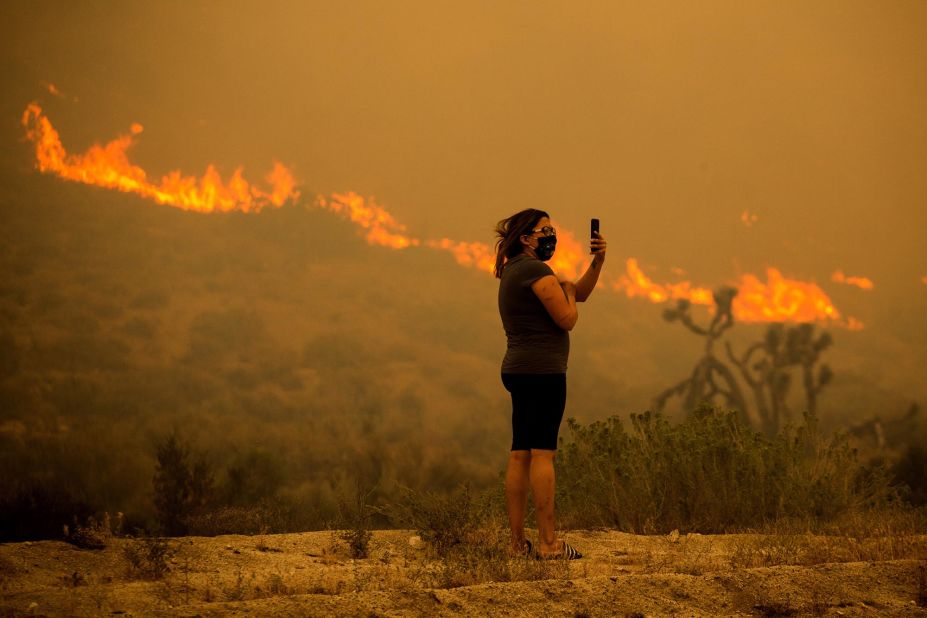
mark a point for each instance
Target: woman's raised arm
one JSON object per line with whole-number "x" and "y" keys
{"x": 559, "y": 299}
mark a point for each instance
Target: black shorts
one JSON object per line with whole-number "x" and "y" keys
{"x": 538, "y": 401}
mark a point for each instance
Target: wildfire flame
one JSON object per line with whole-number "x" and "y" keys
{"x": 109, "y": 166}
{"x": 781, "y": 300}
{"x": 382, "y": 228}
{"x": 777, "y": 299}
{"x": 748, "y": 218}
{"x": 52, "y": 89}
{"x": 474, "y": 254}
{"x": 635, "y": 283}
{"x": 861, "y": 282}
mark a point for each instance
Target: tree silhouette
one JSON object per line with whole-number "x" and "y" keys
{"x": 766, "y": 367}
{"x": 711, "y": 379}
{"x": 181, "y": 487}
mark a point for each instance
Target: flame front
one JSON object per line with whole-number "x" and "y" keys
{"x": 778, "y": 299}
{"x": 109, "y": 166}
{"x": 781, "y": 300}
{"x": 862, "y": 283}
{"x": 382, "y": 228}
{"x": 635, "y": 283}
{"x": 473, "y": 254}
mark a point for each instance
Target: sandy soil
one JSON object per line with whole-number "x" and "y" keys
{"x": 311, "y": 574}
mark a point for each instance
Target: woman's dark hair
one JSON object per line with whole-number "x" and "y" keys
{"x": 508, "y": 231}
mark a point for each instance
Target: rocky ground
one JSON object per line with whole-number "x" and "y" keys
{"x": 313, "y": 574}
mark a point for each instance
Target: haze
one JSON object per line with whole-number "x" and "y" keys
{"x": 719, "y": 138}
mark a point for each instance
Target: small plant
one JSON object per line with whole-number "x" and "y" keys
{"x": 148, "y": 557}
{"x": 443, "y": 521}
{"x": 275, "y": 585}
{"x": 921, "y": 598}
{"x": 73, "y": 580}
{"x": 358, "y": 541}
{"x": 93, "y": 534}
{"x": 355, "y": 518}
{"x": 235, "y": 592}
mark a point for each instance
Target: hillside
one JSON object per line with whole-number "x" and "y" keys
{"x": 282, "y": 346}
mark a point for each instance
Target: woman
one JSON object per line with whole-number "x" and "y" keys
{"x": 538, "y": 310}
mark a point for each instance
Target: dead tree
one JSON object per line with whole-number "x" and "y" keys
{"x": 767, "y": 367}
{"x": 711, "y": 379}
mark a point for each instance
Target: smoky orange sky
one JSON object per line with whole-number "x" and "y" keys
{"x": 719, "y": 138}
{"x": 665, "y": 119}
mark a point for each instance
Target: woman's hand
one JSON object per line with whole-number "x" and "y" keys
{"x": 586, "y": 283}
{"x": 599, "y": 245}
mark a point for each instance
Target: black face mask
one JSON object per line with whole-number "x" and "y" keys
{"x": 546, "y": 247}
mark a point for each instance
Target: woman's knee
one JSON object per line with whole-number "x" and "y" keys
{"x": 541, "y": 453}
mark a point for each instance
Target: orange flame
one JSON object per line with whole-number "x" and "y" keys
{"x": 52, "y": 89}
{"x": 473, "y": 254}
{"x": 748, "y": 218}
{"x": 569, "y": 259}
{"x": 861, "y": 282}
{"x": 776, "y": 300}
{"x": 781, "y": 300}
{"x": 382, "y": 228}
{"x": 635, "y": 283}
{"x": 109, "y": 166}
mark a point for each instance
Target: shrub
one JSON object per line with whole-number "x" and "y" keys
{"x": 710, "y": 473}
{"x": 442, "y": 520}
{"x": 148, "y": 557}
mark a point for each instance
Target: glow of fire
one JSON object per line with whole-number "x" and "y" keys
{"x": 109, "y": 166}
{"x": 778, "y": 299}
{"x": 748, "y": 218}
{"x": 862, "y": 283}
{"x": 472, "y": 254}
{"x": 382, "y": 228}
{"x": 634, "y": 283}
{"x": 52, "y": 89}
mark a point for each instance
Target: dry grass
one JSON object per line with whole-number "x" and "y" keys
{"x": 888, "y": 534}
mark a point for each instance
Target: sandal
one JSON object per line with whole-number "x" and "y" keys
{"x": 528, "y": 552}
{"x": 568, "y": 552}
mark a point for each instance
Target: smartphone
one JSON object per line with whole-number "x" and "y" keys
{"x": 593, "y": 230}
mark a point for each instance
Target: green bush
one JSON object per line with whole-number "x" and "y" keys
{"x": 710, "y": 473}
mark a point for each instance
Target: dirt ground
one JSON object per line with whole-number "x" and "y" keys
{"x": 312, "y": 574}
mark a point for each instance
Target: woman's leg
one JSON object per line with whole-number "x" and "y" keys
{"x": 542, "y": 488}
{"x": 516, "y": 495}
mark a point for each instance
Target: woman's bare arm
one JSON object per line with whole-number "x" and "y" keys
{"x": 559, "y": 299}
